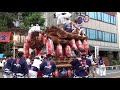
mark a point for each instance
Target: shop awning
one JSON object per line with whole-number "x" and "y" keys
{"x": 5, "y": 36}
{"x": 101, "y": 48}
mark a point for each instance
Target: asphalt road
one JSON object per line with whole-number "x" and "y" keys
{"x": 109, "y": 74}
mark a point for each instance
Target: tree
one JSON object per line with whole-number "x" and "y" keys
{"x": 6, "y": 20}
{"x": 26, "y": 19}
{"x": 32, "y": 18}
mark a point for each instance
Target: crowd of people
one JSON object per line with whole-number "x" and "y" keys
{"x": 43, "y": 66}
{"x": 22, "y": 67}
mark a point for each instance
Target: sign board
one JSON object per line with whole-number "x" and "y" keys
{"x": 80, "y": 20}
{"x": 83, "y": 18}
{"x": 5, "y": 36}
{"x": 86, "y": 18}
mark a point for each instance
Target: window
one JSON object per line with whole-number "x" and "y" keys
{"x": 110, "y": 37}
{"x": 99, "y": 15}
{"x": 102, "y": 16}
{"x": 91, "y": 14}
{"x": 113, "y": 37}
{"x": 109, "y": 18}
{"x": 96, "y": 34}
{"x": 92, "y": 34}
{"x": 106, "y": 17}
{"x": 107, "y": 36}
{"x": 114, "y": 22}
{"x": 112, "y": 19}
{"x": 99, "y": 36}
{"x": 88, "y": 32}
{"x": 103, "y": 36}
{"x": 95, "y": 15}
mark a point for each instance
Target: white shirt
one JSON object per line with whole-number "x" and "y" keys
{"x": 28, "y": 61}
{"x": 91, "y": 58}
{"x": 60, "y": 20}
{"x": 58, "y": 14}
{"x": 37, "y": 63}
{"x": 3, "y": 63}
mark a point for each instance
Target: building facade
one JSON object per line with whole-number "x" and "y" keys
{"x": 102, "y": 30}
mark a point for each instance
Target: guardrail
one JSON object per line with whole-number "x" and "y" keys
{"x": 115, "y": 67}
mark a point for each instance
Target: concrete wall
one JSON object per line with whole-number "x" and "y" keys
{"x": 50, "y": 19}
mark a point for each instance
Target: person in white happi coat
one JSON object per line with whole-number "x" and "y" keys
{"x": 62, "y": 19}
{"x": 33, "y": 72}
{"x": 102, "y": 68}
{"x": 29, "y": 63}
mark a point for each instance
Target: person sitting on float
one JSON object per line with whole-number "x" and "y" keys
{"x": 63, "y": 21}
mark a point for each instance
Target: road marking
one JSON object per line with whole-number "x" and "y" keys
{"x": 113, "y": 72}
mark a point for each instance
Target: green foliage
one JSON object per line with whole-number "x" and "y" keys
{"x": 5, "y": 46}
{"x": 6, "y": 19}
{"x": 32, "y": 18}
{"x": 28, "y": 18}
{"x": 114, "y": 62}
{"x": 7, "y": 53}
{"x": 1, "y": 47}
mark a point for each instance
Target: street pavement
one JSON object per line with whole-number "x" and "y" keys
{"x": 109, "y": 74}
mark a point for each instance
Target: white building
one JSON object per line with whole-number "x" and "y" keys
{"x": 103, "y": 30}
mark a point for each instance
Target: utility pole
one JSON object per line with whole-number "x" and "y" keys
{"x": 14, "y": 45}
{"x": 17, "y": 24}
{"x": 96, "y": 51}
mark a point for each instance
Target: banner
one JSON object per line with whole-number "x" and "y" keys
{"x": 5, "y": 36}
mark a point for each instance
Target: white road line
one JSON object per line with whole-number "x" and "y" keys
{"x": 113, "y": 72}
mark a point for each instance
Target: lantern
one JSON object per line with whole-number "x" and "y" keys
{"x": 59, "y": 51}
{"x": 26, "y": 50}
{"x": 44, "y": 39}
{"x": 40, "y": 36}
{"x": 79, "y": 44}
{"x": 49, "y": 46}
{"x": 72, "y": 44}
{"x": 67, "y": 50}
{"x": 85, "y": 46}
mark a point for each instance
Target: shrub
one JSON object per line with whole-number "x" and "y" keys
{"x": 114, "y": 62}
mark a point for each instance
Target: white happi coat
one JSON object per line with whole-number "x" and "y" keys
{"x": 36, "y": 63}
